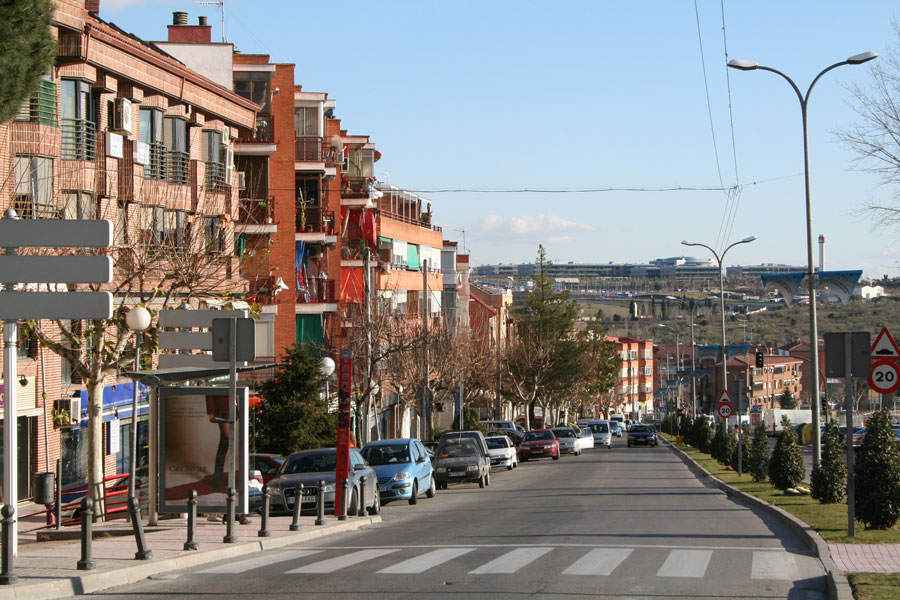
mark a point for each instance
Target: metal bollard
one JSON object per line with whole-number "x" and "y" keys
{"x": 345, "y": 498}
{"x": 362, "y": 497}
{"x": 134, "y": 509}
{"x": 229, "y": 538}
{"x": 87, "y": 531}
{"x": 264, "y": 527}
{"x": 190, "y": 544}
{"x": 320, "y": 503}
{"x": 298, "y": 500}
{"x": 6, "y": 573}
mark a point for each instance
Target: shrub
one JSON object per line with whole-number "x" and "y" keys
{"x": 786, "y": 465}
{"x": 684, "y": 429}
{"x": 878, "y": 475}
{"x": 758, "y": 457}
{"x": 829, "y": 479}
{"x": 729, "y": 450}
{"x": 704, "y": 435}
{"x": 745, "y": 451}
{"x": 717, "y": 445}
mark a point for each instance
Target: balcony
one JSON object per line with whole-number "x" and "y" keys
{"x": 426, "y": 222}
{"x": 309, "y": 149}
{"x": 79, "y": 139}
{"x": 255, "y": 211}
{"x": 356, "y": 187}
{"x": 314, "y": 219}
{"x": 319, "y": 291}
{"x": 262, "y": 133}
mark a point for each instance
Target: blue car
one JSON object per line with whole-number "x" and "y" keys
{"x": 403, "y": 468}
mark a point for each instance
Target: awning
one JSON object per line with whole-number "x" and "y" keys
{"x": 384, "y": 240}
{"x": 352, "y": 285}
{"x": 412, "y": 256}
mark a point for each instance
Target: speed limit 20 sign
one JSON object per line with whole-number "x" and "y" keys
{"x": 885, "y": 377}
{"x": 725, "y": 410}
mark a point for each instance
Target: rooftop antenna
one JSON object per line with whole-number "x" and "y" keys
{"x": 221, "y": 5}
{"x": 463, "y": 231}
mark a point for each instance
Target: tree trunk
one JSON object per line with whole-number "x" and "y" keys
{"x": 95, "y": 446}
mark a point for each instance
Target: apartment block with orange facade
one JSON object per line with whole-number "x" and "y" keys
{"x": 633, "y": 391}
{"x": 763, "y": 386}
{"x": 117, "y": 130}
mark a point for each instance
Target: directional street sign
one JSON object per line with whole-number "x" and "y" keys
{"x": 885, "y": 377}
{"x": 885, "y": 346}
{"x": 724, "y": 409}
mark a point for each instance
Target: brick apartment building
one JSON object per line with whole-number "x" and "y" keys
{"x": 122, "y": 131}
{"x": 633, "y": 391}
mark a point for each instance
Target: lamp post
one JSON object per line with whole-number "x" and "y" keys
{"x": 746, "y": 65}
{"x": 326, "y": 367}
{"x": 677, "y": 362}
{"x": 138, "y": 320}
{"x": 719, "y": 260}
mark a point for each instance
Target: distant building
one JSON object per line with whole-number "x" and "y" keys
{"x": 867, "y": 292}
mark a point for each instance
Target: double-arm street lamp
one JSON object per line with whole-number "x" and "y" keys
{"x": 746, "y": 65}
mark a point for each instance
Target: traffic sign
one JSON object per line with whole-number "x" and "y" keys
{"x": 885, "y": 377}
{"x": 725, "y": 397}
{"x": 885, "y": 346}
{"x": 725, "y": 410}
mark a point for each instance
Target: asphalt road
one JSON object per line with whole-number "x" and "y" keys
{"x": 620, "y": 523}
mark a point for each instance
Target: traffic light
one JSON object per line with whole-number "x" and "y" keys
{"x": 759, "y": 360}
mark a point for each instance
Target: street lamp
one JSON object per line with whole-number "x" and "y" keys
{"x": 326, "y": 368}
{"x": 138, "y": 320}
{"x": 746, "y": 65}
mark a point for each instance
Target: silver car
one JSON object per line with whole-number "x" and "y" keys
{"x": 568, "y": 440}
{"x": 309, "y": 467}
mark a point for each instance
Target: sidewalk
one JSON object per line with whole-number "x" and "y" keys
{"x": 49, "y": 569}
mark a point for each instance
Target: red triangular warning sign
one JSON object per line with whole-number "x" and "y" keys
{"x": 724, "y": 398}
{"x": 885, "y": 346}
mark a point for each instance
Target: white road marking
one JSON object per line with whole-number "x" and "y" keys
{"x": 511, "y": 561}
{"x": 340, "y": 562}
{"x": 600, "y": 561}
{"x": 774, "y": 565}
{"x": 685, "y": 563}
{"x": 427, "y": 561}
{"x": 265, "y": 559}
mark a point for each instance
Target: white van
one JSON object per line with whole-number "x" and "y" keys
{"x": 600, "y": 430}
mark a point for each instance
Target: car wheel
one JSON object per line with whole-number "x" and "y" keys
{"x": 442, "y": 485}
{"x": 376, "y": 507}
{"x": 487, "y": 479}
{"x": 524, "y": 459}
{"x": 430, "y": 492}
{"x": 481, "y": 482}
{"x": 556, "y": 457}
{"x": 353, "y": 507}
{"x": 414, "y": 496}
{"x": 509, "y": 467}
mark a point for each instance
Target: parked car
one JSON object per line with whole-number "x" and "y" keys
{"x": 615, "y": 428}
{"x": 586, "y": 437}
{"x": 461, "y": 457}
{"x": 600, "y": 429}
{"x": 309, "y": 467}
{"x": 502, "y": 452}
{"x": 568, "y": 440}
{"x": 642, "y": 434}
{"x": 514, "y": 435}
{"x": 266, "y": 464}
{"x": 539, "y": 443}
{"x": 403, "y": 467}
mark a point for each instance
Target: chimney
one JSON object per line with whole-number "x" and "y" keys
{"x": 180, "y": 31}
{"x": 92, "y": 6}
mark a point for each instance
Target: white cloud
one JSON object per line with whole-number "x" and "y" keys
{"x": 532, "y": 224}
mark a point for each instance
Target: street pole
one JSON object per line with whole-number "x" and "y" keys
{"x": 746, "y": 65}
{"x": 426, "y": 313}
{"x": 10, "y": 413}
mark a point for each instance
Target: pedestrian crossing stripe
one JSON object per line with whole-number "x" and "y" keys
{"x": 766, "y": 564}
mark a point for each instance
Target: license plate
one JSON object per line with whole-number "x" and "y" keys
{"x": 382, "y": 488}
{"x": 497, "y": 461}
{"x": 457, "y": 474}
{"x": 305, "y": 500}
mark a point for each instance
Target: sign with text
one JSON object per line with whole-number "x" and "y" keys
{"x": 885, "y": 377}
{"x": 345, "y": 386}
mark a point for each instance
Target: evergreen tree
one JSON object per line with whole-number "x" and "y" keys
{"x": 685, "y": 426}
{"x": 471, "y": 422}
{"x": 758, "y": 457}
{"x": 787, "y": 400}
{"x": 719, "y": 443}
{"x": 703, "y": 434}
{"x": 745, "y": 450}
{"x": 27, "y": 51}
{"x": 829, "y": 479}
{"x": 786, "y": 465}
{"x": 293, "y": 415}
{"x": 878, "y": 474}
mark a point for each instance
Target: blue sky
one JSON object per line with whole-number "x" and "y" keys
{"x": 570, "y": 95}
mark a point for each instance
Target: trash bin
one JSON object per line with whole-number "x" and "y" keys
{"x": 44, "y": 488}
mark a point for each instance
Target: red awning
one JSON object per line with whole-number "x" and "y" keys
{"x": 352, "y": 285}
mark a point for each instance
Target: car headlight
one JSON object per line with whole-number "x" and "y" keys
{"x": 471, "y": 468}
{"x": 329, "y": 487}
{"x": 401, "y": 476}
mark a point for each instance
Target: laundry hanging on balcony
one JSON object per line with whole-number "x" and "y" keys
{"x": 352, "y": 287}
{"x": 301, "y": 256}
{"x": 359, "y": 223}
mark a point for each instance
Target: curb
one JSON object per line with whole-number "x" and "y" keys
{"x": 838, "y": 586}
{"x": 94, "y": 581}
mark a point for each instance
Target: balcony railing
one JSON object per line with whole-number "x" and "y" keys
{"x": 426, "y": 223}
{"x": 215, "y": 177}
{"x": 255, "y": 211}
{"x": 262, "y": 133}
{"x": 356, "y": 187}
{"x": 79, "y": 139}
{"x": 178, "y": 167}
{"x": 313, "y": 218}
{"x": 309, "y": 148}
{"x": 319, "y": 290}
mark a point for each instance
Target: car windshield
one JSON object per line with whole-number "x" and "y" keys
{"x": 599, "y": 428}
{"x": 386, "y": 454}
{"x": 538, "y": 435}
{"x": 497, "y": 442}
{"x": 457, "y": 448}
{"x": 642, "y": 428}
{"x": 564, "y": 433}
{"x": 316, "y": 462}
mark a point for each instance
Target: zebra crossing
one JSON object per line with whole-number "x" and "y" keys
{"x": 680, "y": 562}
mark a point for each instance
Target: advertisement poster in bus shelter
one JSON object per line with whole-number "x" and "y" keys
{"x": 195, "y": 429}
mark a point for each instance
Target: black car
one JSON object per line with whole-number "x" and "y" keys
{"x": 642, "y": 434}
{"x": 462, "y": 456}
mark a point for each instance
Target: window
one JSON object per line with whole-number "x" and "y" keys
{"x": 633, "y": 354}
{"x": 213, "y": 235}
{"x": 41, "y": 107}
{"x": 78, "y": 205}
{"x": 254, "y": 87}
{"x": 79, "y": 130}
{"x": 175, "y": 141}
{"x": 306, "y": 121}
{"x": 213, "y": 157}
{"x": 152, "y": 135}
{"x": 152, "y": 224}
{"x": 34, "y": 188}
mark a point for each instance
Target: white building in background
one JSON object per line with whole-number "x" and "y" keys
{"x": 867, "y": 292}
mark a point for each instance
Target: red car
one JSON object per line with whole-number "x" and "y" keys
{"x": 539, "y": 443}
